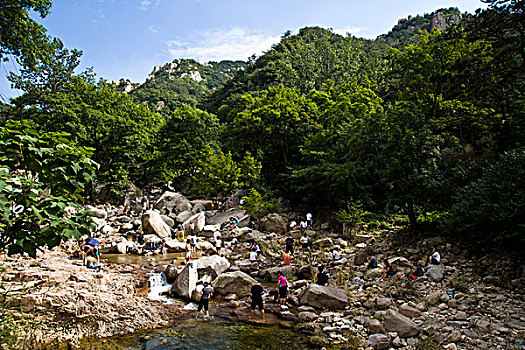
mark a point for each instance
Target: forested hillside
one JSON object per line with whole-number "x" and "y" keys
{"x": 424, "y": 124}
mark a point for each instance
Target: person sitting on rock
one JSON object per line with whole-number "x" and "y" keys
{"x": 335, "y": 257}
{"x": 372, "y": 262}
{"x": 420, "y": 271}
{"x": 435, "y": 258}
{"x": 255, "y": 247}
{"x": 253, "y": 256}
{"x": 287, "y": 259}
{"x": 293, "y": 223}
{"x": 389, "y": 270}
{"x": 321, "y": 277}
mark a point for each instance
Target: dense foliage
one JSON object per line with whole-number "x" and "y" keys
{"x": 423, "y": 121}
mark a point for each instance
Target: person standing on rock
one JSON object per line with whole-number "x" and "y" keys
{"x": 309, "y": 220}
{"x": 256, "y": 299}
{"x": 206, "y": 294}
{"x": 283, "y": 289}
{"x": 218, "y": 245}
{"x": 192, "y": 228}
{"x": 304, "y": 242}
{"x": 193, "y": 245}
{"x": 188, "y": 250}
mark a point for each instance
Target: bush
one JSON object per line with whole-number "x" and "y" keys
{"x": 259, "y": 205}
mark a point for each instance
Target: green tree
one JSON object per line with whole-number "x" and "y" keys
{"x": 42, "y": 180}
{"x": 20, "y": 35}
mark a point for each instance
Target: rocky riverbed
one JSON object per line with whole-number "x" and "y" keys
{"x": 473, "y": 300}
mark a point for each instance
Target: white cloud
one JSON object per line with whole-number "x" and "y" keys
{"x": 219, "y": 44}
{"x": 144, "y": 5}
{"x": 347, "y": 30}
{"x": 153, "y": 30}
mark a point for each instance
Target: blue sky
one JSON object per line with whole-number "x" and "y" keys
{"x": 126, "y": 38}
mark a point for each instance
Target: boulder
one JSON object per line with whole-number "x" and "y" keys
{"x": 122, "y": 246}
{"x": 274, "y": 223}
{"x": 307, "y": 316}
{"x": 247, "y": 266}
{"x": 208, "y": 230}
{"x": 169, "y": 221}
{"x": 361, "y": 255}
{"x": 436, "y": 272}
{"x": 199, "y": 221}
{"x": 224, "y": 217}
{"x": 233, "y": 282}
{"x": 206, "y": 247}
{"x": 184, "y": 216}
{"x": 324, "y": 242}
{"x": 174, "y": 246}
{"x": 171, "y": 273}
{"x": 379, "y": 341}
{"x": 126, "y": 227}
{"x": 212, "y": 266}
{"x": 324, "y": 297}
{"x": 383, "y": 303}
{"x": 402, "y": 325}
{"x": 253, "y": 235}
{"x": 152, "y": 238}
{"x": 152, "y": 223}
{"x": 171, "y": 200}
{"x": 186, "y": 282}
{"x": 409, "y": 311}
{"x": 271, "y": 274}
{"x": 373, "y": 273}
{"x": 374, "y": 326}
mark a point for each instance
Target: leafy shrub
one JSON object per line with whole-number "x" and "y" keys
{"x": 259, "y": 205}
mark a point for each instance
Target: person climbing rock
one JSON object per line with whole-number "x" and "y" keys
{"x": 206, "y": 294}
{"x": 256, "y": 299}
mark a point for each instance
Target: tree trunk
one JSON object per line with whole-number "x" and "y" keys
{"x": 411, "y": 214}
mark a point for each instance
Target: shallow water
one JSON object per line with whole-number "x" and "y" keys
{"x": 142, "y": 259}
{"x": 213, "y": 333}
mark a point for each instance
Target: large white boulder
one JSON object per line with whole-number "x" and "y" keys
{"x": 186, "y": 282}
{"x": 402, "y": 325}
{"x": 172, "y": 200}
{"x": 198, "y": 219}
{"x": 235, "y": 282}
{"x": 152, "y": 223}
{"x": 212, "y": 266}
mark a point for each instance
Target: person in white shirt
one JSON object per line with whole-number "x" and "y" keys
{"x": 304, "y": 225}
{"x": 216, "y": 235}
{"x": 435, "y": 258}
{"x": 253, "y": 256}
{"x": 309, "y": 219}
{"x": 293, "y": 224}
{"x": 304, "y": 242}
{"x": 218, "y": 245}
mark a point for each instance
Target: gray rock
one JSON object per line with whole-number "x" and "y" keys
{"x": 307, "y": 316}
{"x": 171, "y": 200}
{"x": 198, "y": 219}
{"x": 274, "y": 223}
{"x": 395, "y": 322}
{"x": 174, "y": 246}
{"x": 254, "y": 235}
{"x": 152, "y": 223}
{"x": 409, "y": 311}
{"x": 211, "y": 266}
{"x": 171, "y": 273}
{"x": 374, "y": 326}
{"x": 271, "y": 274}
{"x": 373, "y": 273}
{"x": 436, "y": 272}
{"x": 433, "y": 298}
{"x": 233, "y": 282}
{"x": 186, "y": 282}
{"x": 383, "y": 303}
{"x": 379, "y": 341}
{"x": 324, "y": 297}
{"x": 169, "y": 221}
